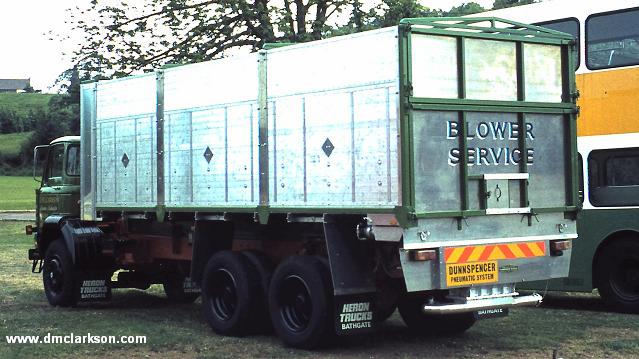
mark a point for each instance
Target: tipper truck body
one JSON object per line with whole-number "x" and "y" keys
{"x": 429, "y": 166}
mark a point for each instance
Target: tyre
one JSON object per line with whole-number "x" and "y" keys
{"x": 264, "y": 269}
{"x": 175, "y": 291}
{"x": 617, "y": 275}
{"x": 410, "y": 309}
{"x": 230, "y": 290}
{"x": 300, "y": 301}
{"x": 58, "y": 275}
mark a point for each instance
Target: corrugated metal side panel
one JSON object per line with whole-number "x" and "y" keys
{"x": 211, "y": 133}
{"x": 125, "y": 142}
{"x": 333, "y": 123}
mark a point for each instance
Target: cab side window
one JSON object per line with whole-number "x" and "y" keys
{"x": 73, "y": 161}
{"x": 55, "y": 166}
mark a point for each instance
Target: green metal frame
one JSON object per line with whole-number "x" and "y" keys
{"x": 483, "y": 28}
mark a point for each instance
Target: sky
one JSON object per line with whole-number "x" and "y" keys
{"x": 27, "y": 51}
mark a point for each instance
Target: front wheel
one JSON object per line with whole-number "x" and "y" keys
{"x": 300, "y": 301}
{"x": 617, "y": 275}
{"x": 57, "y": 275}
{"x": 410, "y": 309}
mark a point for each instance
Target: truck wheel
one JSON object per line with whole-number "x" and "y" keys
{"x": 264, "y": 268}
{"x": 230, "y": 293}
{"x": 58, "y": 276}
{"x": 617, "y": 275}
{"x": 175, "y": 292}
{"x": 300, "y": 301}
{"x": 410, "y": 309}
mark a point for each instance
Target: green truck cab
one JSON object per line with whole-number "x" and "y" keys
{"x": 59, "y": 192}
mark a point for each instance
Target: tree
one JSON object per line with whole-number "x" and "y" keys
{"x": 126, "y": 37}
{"x": 465, "y": 9}
{"x": 392, "y": 11}
{"x": 7, "y": 121}
{"x": 500, "y": 4}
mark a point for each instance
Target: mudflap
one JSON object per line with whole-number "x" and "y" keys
{"x": 353, "y": 280}
{"x": 92, "y": 286}
{"x": 354, "y": 314}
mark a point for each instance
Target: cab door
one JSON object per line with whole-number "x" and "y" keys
{"x": 60, "y": 189}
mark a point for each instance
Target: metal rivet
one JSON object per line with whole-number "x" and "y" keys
{"x": 282, "y": 185}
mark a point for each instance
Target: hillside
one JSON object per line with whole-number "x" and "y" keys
{"x": 11, "y": 143}
{"x": 21, "y": 103}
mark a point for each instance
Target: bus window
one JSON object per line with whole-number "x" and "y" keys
{"x": 622, "y": 171}
{"x": 612, "y": 39}
{"x": 569, "y": 26}
{"x": 614, "y": 177}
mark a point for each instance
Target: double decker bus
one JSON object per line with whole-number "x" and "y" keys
{"x": 606, "y": 255}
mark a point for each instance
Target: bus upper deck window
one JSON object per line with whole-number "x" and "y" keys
{"x": 612, "y": 39}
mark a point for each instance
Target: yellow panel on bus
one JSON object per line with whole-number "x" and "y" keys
{"x": 609, "y": 102}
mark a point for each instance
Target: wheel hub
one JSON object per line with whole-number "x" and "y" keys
{"x": 296, "y": 304}
{"x": 55, "y": 275}
{"x": 223, "y": 295}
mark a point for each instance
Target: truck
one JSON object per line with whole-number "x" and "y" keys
{"x": 314, "y": 188}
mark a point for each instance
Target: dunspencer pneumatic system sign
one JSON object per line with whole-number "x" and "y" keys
{"x": 485, "y": 151}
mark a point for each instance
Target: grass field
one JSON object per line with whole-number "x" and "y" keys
{"x": 21, "y": 103}
{"x": 17, "y": 193}
{"x": 11, "y": 143}
{"x": 574, "y": 325}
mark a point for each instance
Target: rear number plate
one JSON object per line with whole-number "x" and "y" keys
{"x": 464, "y": 274}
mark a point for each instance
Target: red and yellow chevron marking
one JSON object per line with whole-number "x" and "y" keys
{"x": 491, "y": 252}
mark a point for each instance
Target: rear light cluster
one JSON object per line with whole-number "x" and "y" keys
{"x": 423, "y": 254}
{"x": 557, "y": 248}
